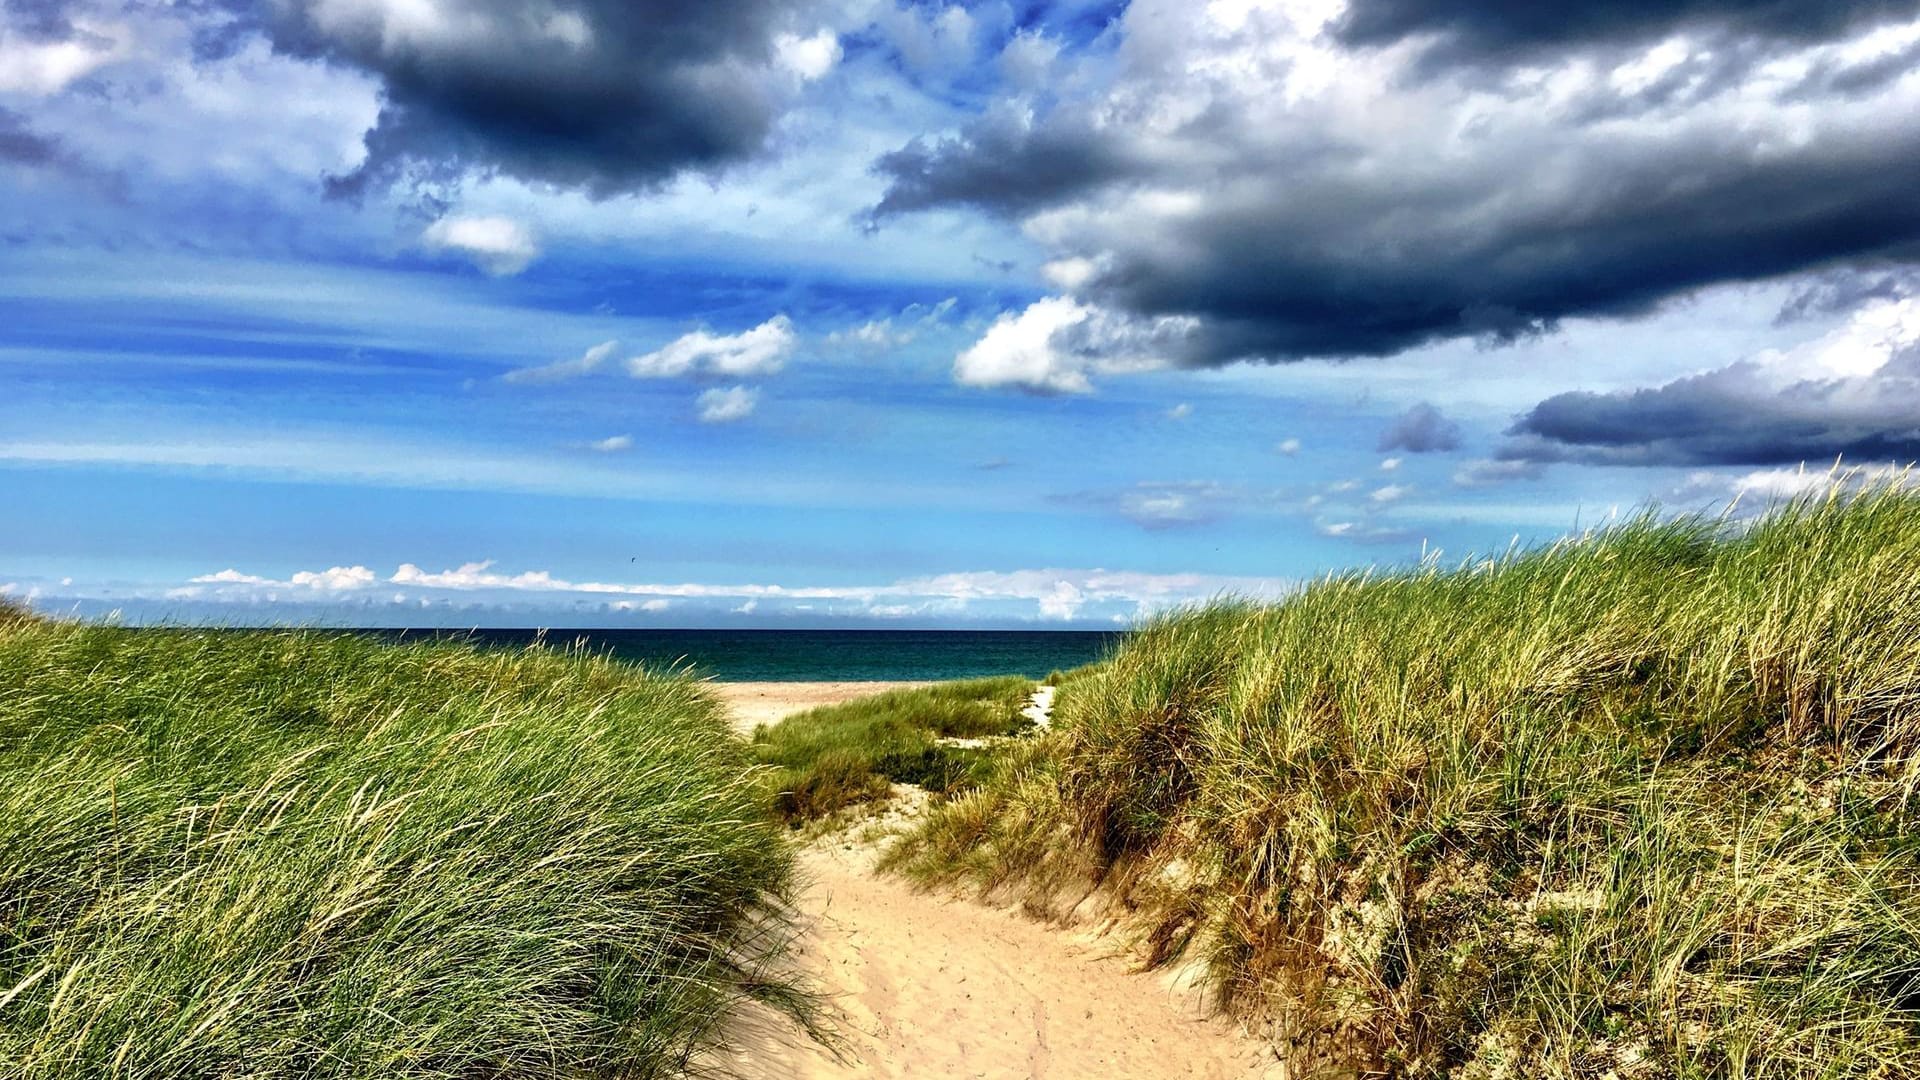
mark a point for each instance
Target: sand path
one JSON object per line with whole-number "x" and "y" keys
{"x": 926, "y": 986}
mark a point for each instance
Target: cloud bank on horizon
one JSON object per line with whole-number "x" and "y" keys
{"x": 870, "y": 290}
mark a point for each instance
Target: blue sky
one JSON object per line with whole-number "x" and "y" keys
{"x": 871, "y": 313}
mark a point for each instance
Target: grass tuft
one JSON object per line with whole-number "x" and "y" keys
{"x": 1643, "y": 804}
{"x": 295, "y": 855}
{"x": 830, "y": 758}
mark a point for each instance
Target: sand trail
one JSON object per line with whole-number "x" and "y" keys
{"x": 927, "y": 986}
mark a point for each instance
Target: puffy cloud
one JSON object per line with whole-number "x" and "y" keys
{"x": 808, "y": 57}
{"x": 1255, "y": 167}
{"x": 1180, "y": 411}
{"x": 499, "y": 245}
{"x": 45, "y": 55}
{"x": 612, "y": 444}
{"x": 1289, "y": 447}
{"x": 1389, "y": 493}
{"x": 726, "y": 405}
{"x": 1422, "y": 429}
{"x": 762, "y": 350}
{"x": 1853, "y": 393}
{"x": 1056, "y": 343}
{"x": 607, "y": 96}
{"x": 585, "y": 364}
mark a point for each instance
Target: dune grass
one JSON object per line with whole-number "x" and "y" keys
{"x": 837, "y": 756}
{"x": 1641, "y": 804}
{"x": 275, "y": 855}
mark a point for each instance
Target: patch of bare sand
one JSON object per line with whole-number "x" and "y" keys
{"x": 922, "y": 986}
{"x": 754, "y": 703}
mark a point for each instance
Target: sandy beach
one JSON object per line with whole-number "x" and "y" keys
{"x": 924, "y": 985}
{"x": 754, "y": 703}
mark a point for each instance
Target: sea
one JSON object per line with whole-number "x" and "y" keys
{"x": 816, "y": 655}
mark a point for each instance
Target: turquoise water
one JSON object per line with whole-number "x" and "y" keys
{"x": 820, "y": 655}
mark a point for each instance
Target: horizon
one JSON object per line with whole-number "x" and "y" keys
{"x": 871, "y": 314}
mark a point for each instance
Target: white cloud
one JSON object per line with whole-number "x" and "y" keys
{"x": 231, "y": 576}
{"x": 1057, "y": 342}
{"x": 584, "y": 364}
{"x": 1390, "y": 493}
{"x": 1389, "y": 464}
{"x": 1753, "y": 492}
{"x": 808, "y": 57}
{"x": 1780, "y": 483}
{"x": 643, "y": 605}
{"x": 894, "y": 331}
{"x": 1180, "y": 411}
{"x": 875, "y": 334}
{"x": 1289, "y": 447}
{"x": 612, "y": 444}
{"x": 762, "y": 350}
{"x": 726, "y": 405}
{"x": 335, "y": 579}
{"x": 41, "y": 68}
{"x": 1048, "y": 594}
{"x": 1871, "y": 336}
{"x": 497, "y": 244}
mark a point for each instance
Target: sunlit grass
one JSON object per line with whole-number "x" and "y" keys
{"x": 1640, "y": 804}
{"x": 837, "y": 756}
{"x": 292, "y": 855}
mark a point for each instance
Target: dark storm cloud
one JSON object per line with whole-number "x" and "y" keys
{"x": 605, "y": 96}
{"x": 1000, "y": 165}
{"x": 1355, "y": 266}
{"x": 1733, "y": 416}
{"x": 1285, "y": 284}
{"x": 1495, "y": 210}
{"x": 1422, "y": 429}
{"x": 1492, "y": 30}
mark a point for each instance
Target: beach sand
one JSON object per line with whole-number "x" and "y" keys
{"x": 923, "y": 985}
{"x": 756, "y": 703}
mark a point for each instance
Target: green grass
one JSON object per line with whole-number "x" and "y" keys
{"x": 837, "y": 756}
{"x": 296, "y": 855}
{"x": 1643, "y": 804}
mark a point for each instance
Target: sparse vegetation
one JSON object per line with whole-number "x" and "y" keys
{"x": 830, "y": 758}
{"x": 1642, "y": 804}
{"x": 13, "y": 613}
{"x": 293, "y": 855}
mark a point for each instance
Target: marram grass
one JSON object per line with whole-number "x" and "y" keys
{"x": 1642, "y": 804}
{"x": 271, "y": 856}
{"x": 827, "y": 759}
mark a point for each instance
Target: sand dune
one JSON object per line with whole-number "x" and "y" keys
{"x": 925, "y": 986}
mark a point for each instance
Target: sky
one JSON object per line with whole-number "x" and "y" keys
{"x": 598, "y": 313}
